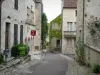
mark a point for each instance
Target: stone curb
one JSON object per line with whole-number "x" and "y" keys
{"x": 14, "y": 63}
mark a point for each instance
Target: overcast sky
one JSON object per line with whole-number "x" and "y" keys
{"x": 52, "y": 8}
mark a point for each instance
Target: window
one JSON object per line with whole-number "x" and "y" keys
{"x": 69, "y": 26}
{"x": 16, "y": 4}
{"x": 88, "y": 0}
{"x": 75, "y": 12}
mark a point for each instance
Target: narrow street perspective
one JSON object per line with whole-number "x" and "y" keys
{"x": 49, "y": 37}
{"x": 51, "y": 64}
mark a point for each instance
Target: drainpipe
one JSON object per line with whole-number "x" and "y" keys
{"x": 83, "y": 21}
{"x": 62, "y": 24}
{"x": 0, "y": 24}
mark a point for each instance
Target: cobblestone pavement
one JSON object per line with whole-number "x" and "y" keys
{"x": 23, "y": 67}
{"x": 52, "y": 64}
{"x": 75, "y": 69}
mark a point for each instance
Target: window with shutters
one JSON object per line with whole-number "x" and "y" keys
{"x": 16, "y": 4}
{"x": 15, "y": 34}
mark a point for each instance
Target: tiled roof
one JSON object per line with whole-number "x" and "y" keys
{"x": 70, "y": 4}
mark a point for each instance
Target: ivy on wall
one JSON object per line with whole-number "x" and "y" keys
{"x": 94, "y": 27}
{"x": 44, "y": 29}
{"x": 57, "y": 33}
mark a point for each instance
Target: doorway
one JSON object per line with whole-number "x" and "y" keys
{"x": 7, "y": 35}
{"x": 15, "y": 34}
{"x": 21, "y": 34}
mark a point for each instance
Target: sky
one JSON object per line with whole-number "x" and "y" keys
{"x": 52, "y": 8}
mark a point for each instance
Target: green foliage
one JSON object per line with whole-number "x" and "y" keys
{"x": 15, "y": 51}
{"x": 1, "y": 58}
{"x": 22, "y": 51}
{"x": 57, "y": 33}
{"x": 19, "y": 50}
{"x": 44, "y": 28}
{"x": 96, "y": 69}
{"x": 26, "y": 49}
{"x": 94, "y": 27}
{"x": 80, "y": 51}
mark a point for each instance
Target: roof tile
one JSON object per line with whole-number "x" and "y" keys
{"x": 70, "y": 4}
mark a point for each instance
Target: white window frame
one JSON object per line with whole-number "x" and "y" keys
{"x": 69, "y": 26}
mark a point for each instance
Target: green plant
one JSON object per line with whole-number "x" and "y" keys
{"x": 19, "y": 50}
{"x": 15, "y": 51}
{"x": 80, "y": 51}
{"x": 96, "y": 69}
{"x": 22, "y": 51}
{"x": 27, "y": 49}
{"x": 44, "y": 29}
{"x": 1, "y": 58}
{"x": 94, "y": 28}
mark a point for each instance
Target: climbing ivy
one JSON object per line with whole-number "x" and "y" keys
{"x": 80, "y": 51}
{"x": 57, "y": 33}
{"x": 44, "y": 29}
{"x": 94, "y": 28}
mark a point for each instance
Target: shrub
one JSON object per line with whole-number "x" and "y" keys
{"x": 96, "y": 69}
{"x": 1, "y": 58}
{"x": 22, "y": 51}
{"x": 15, "y": 51}
{"x": 26, "y": 49}
{"x": 19, "y": 50}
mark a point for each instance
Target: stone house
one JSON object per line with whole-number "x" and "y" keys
{"x": 69, "y": 13}
{"x": 87, "y": 15}
{"x": 55, "y": 40}
{"x": 18, "y": 19}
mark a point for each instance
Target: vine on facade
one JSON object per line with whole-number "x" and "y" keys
{"x": 94, "y": 27}
{"x": 80, "y": 51}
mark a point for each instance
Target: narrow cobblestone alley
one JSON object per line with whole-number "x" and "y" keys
{"x": 52, "y": 64}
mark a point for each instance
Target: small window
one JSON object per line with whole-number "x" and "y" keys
{"x": 88, "y": 0}
{"x": 75, "y": 12}
{"x": 16, "y": 4}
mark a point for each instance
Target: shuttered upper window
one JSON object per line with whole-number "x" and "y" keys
{"x": 16, "y": 4}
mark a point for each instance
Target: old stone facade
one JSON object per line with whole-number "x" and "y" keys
{"x": 69, "y": 14}
{"x": 88, "y": 12}
{"x": 38, "y": 19}
{"x": 18, "y": 18}
{"x": 55, "y": 41}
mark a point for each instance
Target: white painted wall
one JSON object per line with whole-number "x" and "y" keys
{"x": 68, "y": 16}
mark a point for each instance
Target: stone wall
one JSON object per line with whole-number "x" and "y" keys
{"x": 92, "y": 49}
{"x": 12, "y": 16}
{"x": 38, "y": 15}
